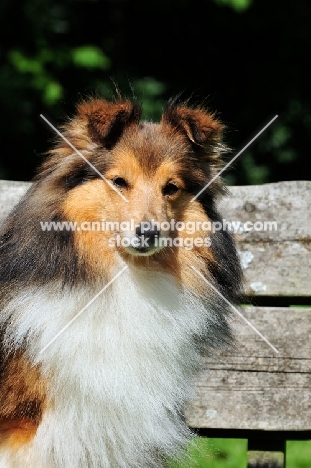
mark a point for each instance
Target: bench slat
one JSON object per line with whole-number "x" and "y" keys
{"x": 252, "y": 400}
{"x": 286, "y": 203}
{"x": 276, "y": 263}
{"x": 276, "y": 268}
{"x": 251, "y": 387}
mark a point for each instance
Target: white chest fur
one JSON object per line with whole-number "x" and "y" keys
{"x": 119, "y": 376}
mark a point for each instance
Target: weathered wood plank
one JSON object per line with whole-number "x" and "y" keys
{"x": 276, "y": 262}
{"x": 288, "y": 329}
{"x": 288, "y": 204}
{"x": 252, "y": 400}
{"x": 251, "y": 387}
{"x": 276, "y": 268}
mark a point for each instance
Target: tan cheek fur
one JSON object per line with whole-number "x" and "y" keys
{"x": 93, "y": 201}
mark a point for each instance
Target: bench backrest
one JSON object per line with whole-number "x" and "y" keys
{"x": 252, "y": 387}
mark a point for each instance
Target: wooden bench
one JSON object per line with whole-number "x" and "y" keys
{"x": 252, "y": 392}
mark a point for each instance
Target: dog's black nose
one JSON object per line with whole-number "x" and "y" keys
{"x": 147, "y": 232}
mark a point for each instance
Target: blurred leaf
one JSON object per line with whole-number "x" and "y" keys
{"x": 149, "y": 87}
{"x": 24, "y": 64}
{"x": 279, "y": 135}
{"x": 238, "y": 5}
{"x": 286, "y": 156}
{"x": 256, "y": 174}
{"x": 53, "y": 92}
{"x": 150, "y": 91}
{"x": 89, "y": 56}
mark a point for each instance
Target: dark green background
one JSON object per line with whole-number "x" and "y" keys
{"x": 246, "y": 59}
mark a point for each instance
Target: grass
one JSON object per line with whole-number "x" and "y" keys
{"x": 298, "y": 454}
{"x": 214, "y": 453}
{"x": 231, "y": 453}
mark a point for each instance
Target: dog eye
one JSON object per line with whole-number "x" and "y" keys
{"x": 79, "y": 177}
{"x": 120, "y": 182}
{"x": 170, "y": 189}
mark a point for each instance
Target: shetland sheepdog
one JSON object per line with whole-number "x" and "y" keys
{"x": 102, "y": 330}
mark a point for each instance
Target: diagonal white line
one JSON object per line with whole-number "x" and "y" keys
{"x": 236, "y": 310}
{"x": 233, "y": 159}
{"x": 84, "y": 158}
{"x": 83, "y": 309}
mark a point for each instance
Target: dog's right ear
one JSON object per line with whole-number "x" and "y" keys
{"x": 201, "y": 127}
{"x": 106, "y": 121}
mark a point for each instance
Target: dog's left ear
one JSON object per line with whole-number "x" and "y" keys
{"x": 201, "y": 127}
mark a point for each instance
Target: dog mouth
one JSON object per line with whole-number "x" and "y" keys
{"x": 142, "y": 251}
{"x": 143, "y": 245}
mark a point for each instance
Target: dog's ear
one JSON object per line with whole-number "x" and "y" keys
{"x": 204, "y": 132}
{"x": 201, "y": 127}
{"x": 107, "y": 120}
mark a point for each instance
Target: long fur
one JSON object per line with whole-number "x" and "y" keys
{"x": 111, "y": 389}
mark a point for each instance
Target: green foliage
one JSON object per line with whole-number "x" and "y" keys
{"x": 257, "y": 174}
{"x": 90, "y": 56}
{"x": 65, "y": 50}
{"x": 25, "y": 64}
{"x": 38, "y": 67}
{"x": 238, "y": 5}
{"x": 35, "y": 69}
{"x": 150, "y": 92}
{"x": 52, "y": 91}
